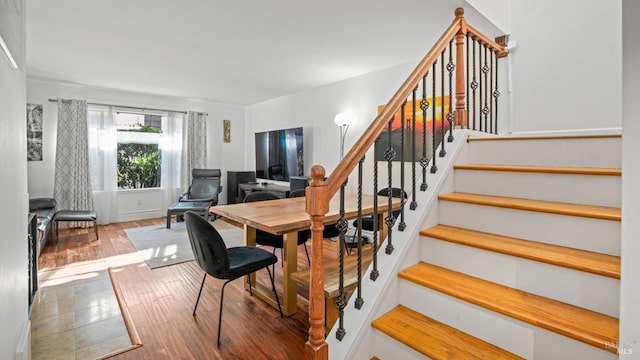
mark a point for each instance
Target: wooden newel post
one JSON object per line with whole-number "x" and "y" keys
{"x": 461, "y": 109}
{"x": 317, "y": 206}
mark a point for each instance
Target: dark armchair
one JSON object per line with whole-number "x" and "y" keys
{"x": 276, "y": 172}
{"x": 215, "y": 259}
{"x": 205, "y": 186}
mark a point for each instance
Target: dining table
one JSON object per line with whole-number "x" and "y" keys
{"x": 287, "y": 217}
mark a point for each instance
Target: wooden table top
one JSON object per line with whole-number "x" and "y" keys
{"x": 286, "y": 215}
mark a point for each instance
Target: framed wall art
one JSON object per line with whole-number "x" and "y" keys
{"x": 34, "y": 132}
{"x": 226, "y": 130}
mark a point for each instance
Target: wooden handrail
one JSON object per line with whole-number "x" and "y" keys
{"x": 320, "y": 192}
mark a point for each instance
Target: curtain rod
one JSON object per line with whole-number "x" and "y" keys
{"x": 135, "y": 107}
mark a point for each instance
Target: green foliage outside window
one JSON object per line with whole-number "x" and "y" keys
{"x": 139, "y": 164}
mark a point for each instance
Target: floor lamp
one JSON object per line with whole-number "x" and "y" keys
{"x": 343, "y": 121}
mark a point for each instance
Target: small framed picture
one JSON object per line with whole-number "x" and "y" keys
{"x": 226, "y": 130}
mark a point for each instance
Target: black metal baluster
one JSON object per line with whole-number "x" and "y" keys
{"x": 389, "y": 155}
{"x": 485, "y": 72}
{"x": 359, "y": 300}
{"x": 341, "y": 299}
{"x": 474, "y": 85}
{"x": 490, "y": 96}
{"x": 414, "y": 204}
{"x": 434, "y": 168}
{"x": 443, "y": 152}
{"x": 374, "y": 272}
{"x": 481, "y": 92}
{"x": 496, "y": 94}
{"x": 450, "y": 68}
{"x": 402, "y": 224}
{"x": 424, "y": 162}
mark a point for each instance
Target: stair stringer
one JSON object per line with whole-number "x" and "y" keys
{"x": 361, "y": 340}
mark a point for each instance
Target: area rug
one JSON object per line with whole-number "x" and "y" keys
{"x": 160, "y": 246}
{"x": 80, "y": 316}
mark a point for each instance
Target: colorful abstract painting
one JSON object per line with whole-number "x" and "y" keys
{"x": 442, "y": 106}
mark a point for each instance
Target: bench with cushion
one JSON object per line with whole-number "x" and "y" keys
{"x": 76, "y": 215}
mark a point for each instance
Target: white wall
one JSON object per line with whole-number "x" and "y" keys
{"x": 497, "y": 11}
{"x": 566, "y": 65}
{"x": 13, "y": 181}
{"x": 315, "y": 109}
{"x": 630, "y": 290}
{"x": 132, "y": 204}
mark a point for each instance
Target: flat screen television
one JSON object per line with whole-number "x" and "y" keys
{"x": 279, "y": 147}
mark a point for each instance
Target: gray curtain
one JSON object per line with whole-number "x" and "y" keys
{"x": 194, "y": 145}
{"x": 72, "y": 186}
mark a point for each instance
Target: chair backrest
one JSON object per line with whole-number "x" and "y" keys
{"x": 298, "y": 182}
{"x": 297, "y": 193}
{"x": 276, "y": 173}
{"x": 260, "y": 196}
{"x": 395, "y": 192}
{"x": 208, "y": 247}
{"x": 205, "y": 183}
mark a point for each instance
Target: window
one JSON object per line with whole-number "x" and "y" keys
{"x": 139, "y": 157}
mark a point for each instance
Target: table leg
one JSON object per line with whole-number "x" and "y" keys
{"x": 382, "y": 234}
{"x": 290, "y": 265}
{"x": 168, "y": 219}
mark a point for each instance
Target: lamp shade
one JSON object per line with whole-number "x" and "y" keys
{"x": 342, "y": 119}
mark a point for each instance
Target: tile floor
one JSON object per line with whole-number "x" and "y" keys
{"x": 77, "y": 317}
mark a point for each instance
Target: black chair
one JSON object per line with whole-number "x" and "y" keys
{"x": 216, "y": 260}
{"x": 267, "y": 239}
{"x": 330, "y": 231}
{"x": 276, "y": 172}
{"x": 367, "y": 222}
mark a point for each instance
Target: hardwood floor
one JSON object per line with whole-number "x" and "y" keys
{"x": 161, "y": 301}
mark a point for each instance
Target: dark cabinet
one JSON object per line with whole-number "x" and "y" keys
{"x": 233, "y": 179}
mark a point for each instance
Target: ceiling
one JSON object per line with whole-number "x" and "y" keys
{"x": 233, "y": 51}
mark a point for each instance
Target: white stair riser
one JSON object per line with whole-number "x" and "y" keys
{"x": 595, "y": 152}
{"x": 571, "y": 231}
{"x": 578, "y": 189}
{"x": 586, "y": 290}
{"x": 507, "y": 333}
{"x": 386, "y": 347}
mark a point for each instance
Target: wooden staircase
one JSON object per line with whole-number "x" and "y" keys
{"x": 524, "y": 262}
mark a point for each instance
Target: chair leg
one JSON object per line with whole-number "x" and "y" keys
{"x": 273, "y": 267}
{"x": 275, "y": 293}
{"x": 95, "y": 225}
{"x": 199, "y": 293}
{"x": 220, "y": 313}
{"x": 307, "y": 251}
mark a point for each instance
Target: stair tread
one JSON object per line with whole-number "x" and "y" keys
{"x": 583, "y": 260}
{"x": 581, "y": 324}
{"x": 590, "y": 211}
{"x": 543, "y": 169}
{"x": 435, "y": 339}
